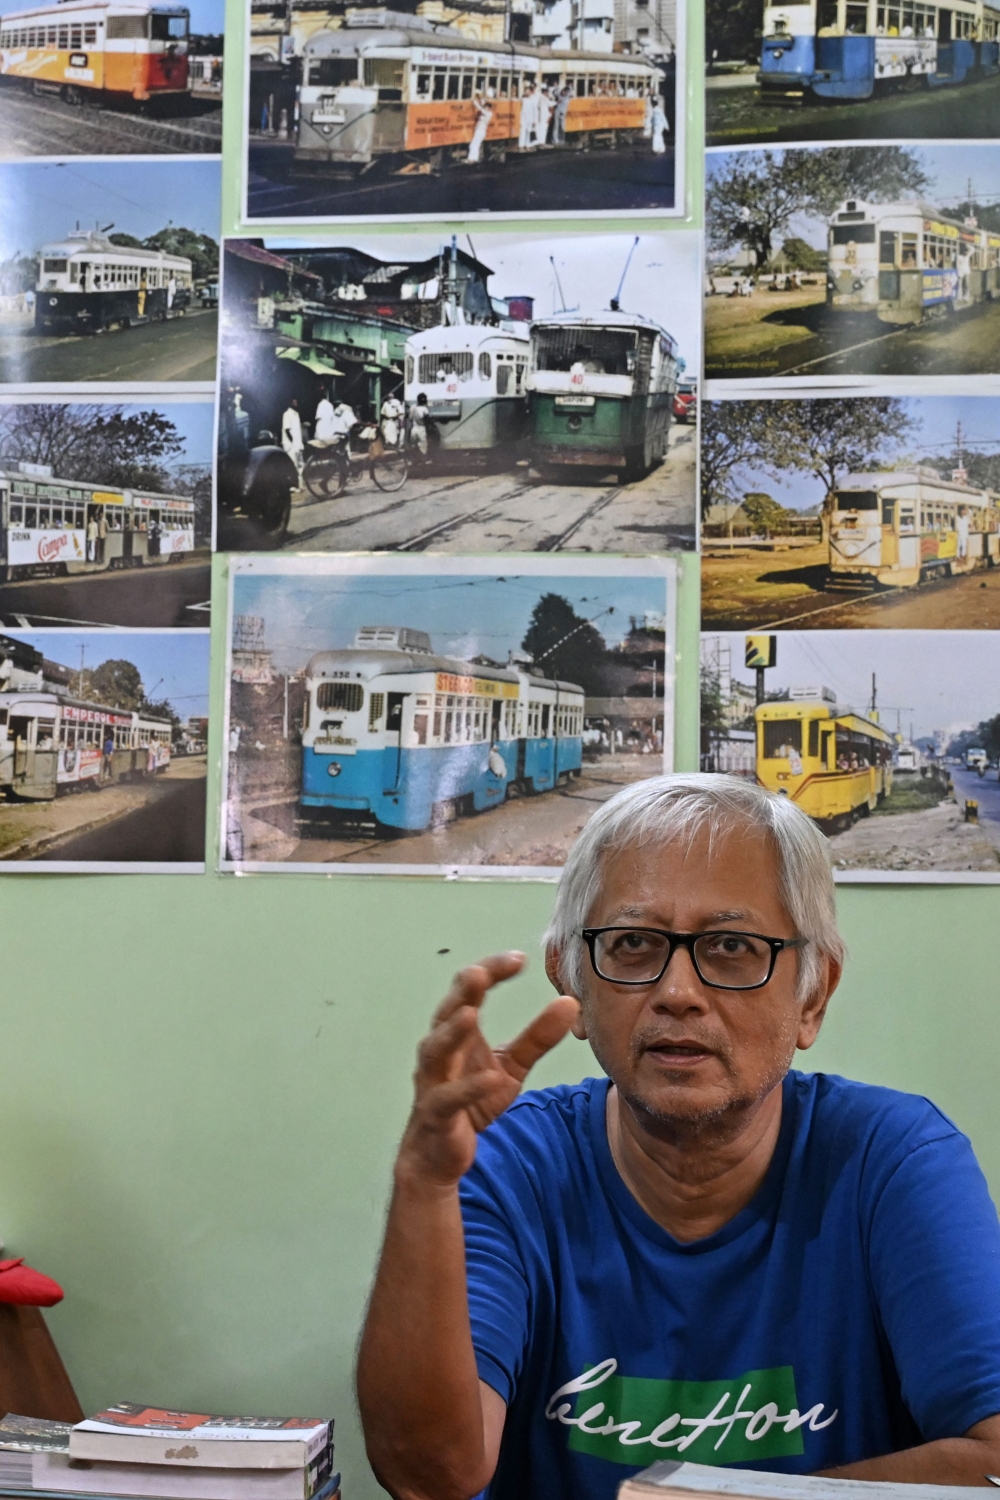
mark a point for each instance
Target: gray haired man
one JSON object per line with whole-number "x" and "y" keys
{"x": 704, "y": 1255}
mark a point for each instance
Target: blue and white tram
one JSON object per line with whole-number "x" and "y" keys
{"x": 907, "y": 261}
{"x": 474, "y": 376}
{"x": 844, "y": 49}
{"x": 394, "y": 734}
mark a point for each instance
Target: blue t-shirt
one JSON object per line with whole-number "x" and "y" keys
{"x": 851, "y": 1309}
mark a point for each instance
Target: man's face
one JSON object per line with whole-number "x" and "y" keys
{"x": 679, "y": 1051}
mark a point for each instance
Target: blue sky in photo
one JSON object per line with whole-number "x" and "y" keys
{"x": 207, "y": 16}
{"x": 465, "y": 616}
{"x": 173, "y": 664}
{"x": 936, "y": 679}
{"x": 41, "y": 201}
{"x": 938, "y": 418}
{"x": 950, "y": 167}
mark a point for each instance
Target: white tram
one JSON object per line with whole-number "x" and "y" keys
{"x": 396, "y": 735}
{"x": 908, "y": 261}
{"x": 84, "y": 48}
{"x": 50, "y": 744}
{"x": 44, "y": 526}
{"x": 385, "y": 85}
{"x": 87, "y": 284}
{"x": 474, "y": 376}
{"x": 899, "y": 528}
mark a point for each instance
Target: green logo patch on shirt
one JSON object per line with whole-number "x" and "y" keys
{"x": 631, "y": 1419}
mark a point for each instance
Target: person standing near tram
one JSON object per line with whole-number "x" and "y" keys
{"x": 393, "y": 415}
{"x": 484, "y": 114}
{"x": 562, "y": 110}
{"x": 529, "y": 118}
{"x": 660, "y": 126}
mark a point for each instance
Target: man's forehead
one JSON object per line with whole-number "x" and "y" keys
{"x": 638, "y": 910}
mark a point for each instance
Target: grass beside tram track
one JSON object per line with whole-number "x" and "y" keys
{"x": 745, "y": 325}
{"x": 914, "y": 794}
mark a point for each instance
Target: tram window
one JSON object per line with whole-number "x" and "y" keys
{"x": 781, "y": 738}
{"x": 76, "y": 38}
{"x": 385, "y": 74}
{"x": 376, "y": 705}
{"x": 437, "y": 724}
{"x": 54, "y": 265}
{"x": 825, "y": 740}
{"x": 887, "y": 249}
{"x": 485, "y": 366}
{"x": 453, "y": 82}
{"x": 90, "y": 34}
{"x": 503, "y": 379}
{"x": 423, "y": 85}
{"x": 44, "y": 517}
{"x": 480, "y": 83}
{"x": 30, "y": 517}
{"x": 168, "y": 28}
{"x": 908, "y": 254}
{"x": 814, "y": 737}
{"x": 856, "y": 19}
{"x": 907, "y": 520}
{"x": 546, "y": 710}
{"x": 439, "y": 78}
{"x": 888, "y": 510}
{"x": 857, "y": 500}
{"x": 858, "y": 234}
{"x": 16, "y": 515}
{"x": 467, "y": 81}
{"x": 63, "y": 39}
{"x": 447, "y": 727}
{"x": 332, "y": 72}
{"x": 347, "y": 696}
{"x": 46, "y": 734}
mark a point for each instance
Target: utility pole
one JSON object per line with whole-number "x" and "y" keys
{"x": 82, "y": 653}
{"x": 284, "y": 721}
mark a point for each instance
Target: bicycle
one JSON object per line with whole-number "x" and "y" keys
{"x": 330, "y": 466}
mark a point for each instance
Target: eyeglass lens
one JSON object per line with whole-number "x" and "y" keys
{"x": 730, "y": 959}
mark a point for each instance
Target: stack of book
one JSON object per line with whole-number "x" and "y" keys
{"x": 152, "y": 1454}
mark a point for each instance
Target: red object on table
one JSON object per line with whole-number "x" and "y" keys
{"x": 20, "y": 1285}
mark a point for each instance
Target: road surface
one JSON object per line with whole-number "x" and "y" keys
{"x": 778, "y": 333}
{"x": 546, "y": 181}
{"x": 935, "y": 840}
{"x": 47, "y": 126}
{"x": 170, "y": 595}
{"x": 532, "y": 831}
{"x": 498, "y": 512}
{"x": 162, "y": 818}
{"x": 736, "y": 115}
{"x": 179, "y": 349}
{"x": 786, "y": 589}
{"x": 986, "y": 791}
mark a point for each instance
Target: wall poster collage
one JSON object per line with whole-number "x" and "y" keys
{"x": 462, "y": 387}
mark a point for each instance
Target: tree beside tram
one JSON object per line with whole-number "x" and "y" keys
{"x": 905, "y": 262}
{"x": 51, "y": 744}
{"x": 408, "y": 90}
{"x": 393, "y": 733}
{"x": 601, "y": 392}
{"x": 87, "y": 284}
{"x": 899, "y": 528}
{"x": 834, "y": 764}
{"x": 845, "y": 49}
{"x": 83, "y": 49}
{"x": 47, "y": 525}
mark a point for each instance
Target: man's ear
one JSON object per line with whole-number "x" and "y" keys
{"x": 552, "y": 966}
{"x": 814, "y": 1009}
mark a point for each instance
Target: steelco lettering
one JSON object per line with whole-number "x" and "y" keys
{"x": 711, "y": 1421}
{"x": 188, "y": 1451}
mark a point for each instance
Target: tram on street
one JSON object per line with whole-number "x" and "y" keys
{"x": 396, "y": 734}
{"x": 834, "y": 764}
{"x": 474, "y": 376}
{"x": 47, "y": 526}
{"x": 387, "y": 86}
{"x": 901, "y": 528}
{"x": 848, "y": 49}
{"x": 905, "y": 262}
{"x": 51, "y": 744}
{"x": 601, "y": 392}
{"x": 89, "y": 49}
{"x": 87, "y": 284}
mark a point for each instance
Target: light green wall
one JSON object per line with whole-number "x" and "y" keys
{"x": 202, "y": 1079}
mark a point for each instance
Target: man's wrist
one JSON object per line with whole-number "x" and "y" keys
{"x": 414, "y": 1179}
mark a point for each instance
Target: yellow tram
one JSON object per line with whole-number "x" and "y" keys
{"x": 898, "y": 529}
{"x": 834, "y": 764}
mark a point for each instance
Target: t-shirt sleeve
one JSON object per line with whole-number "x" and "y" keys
{"x": 499, "y": 1294}
{"x": 935, "y": 1267}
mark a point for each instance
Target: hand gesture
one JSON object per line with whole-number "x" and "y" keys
{"x": 462, "y": 1084}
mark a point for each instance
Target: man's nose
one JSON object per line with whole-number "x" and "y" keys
{"x": 679, "y": 987}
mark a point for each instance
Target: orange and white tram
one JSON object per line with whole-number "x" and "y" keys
{"x": 82, "y": 49}
{"x": 379, "y": 89}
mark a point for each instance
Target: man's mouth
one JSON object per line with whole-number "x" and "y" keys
{"x": 678, "y": 1054}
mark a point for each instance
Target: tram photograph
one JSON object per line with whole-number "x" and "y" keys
{"x": 94, "y": 742}
{"x": 870, "y": 735}
{"x": 97, "y": 282}
{"x": 441, "y": 118}
{"x": 532, "y": 403}
{"x": 110, "y": 76}
{"x": 393, "y": 713}
{"x": 838, "y": 261}
{"x": 115, "y": 528}
{"x": 844, "y": 512}
{"x": 851, "y": 69}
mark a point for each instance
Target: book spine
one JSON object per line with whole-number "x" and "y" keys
{"x": 181, "y": 1452}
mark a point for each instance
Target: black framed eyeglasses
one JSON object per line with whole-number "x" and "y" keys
{"x": 723, "y": 960}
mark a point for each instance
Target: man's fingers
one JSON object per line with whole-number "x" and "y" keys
{"x": 470, "y": 985}
{"x": 462, "y": 1093}
{"x": 443, "y": 1053}
{"x": 548, "y": 1028}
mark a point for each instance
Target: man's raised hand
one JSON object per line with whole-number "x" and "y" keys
{"x": 462, "y": 1084}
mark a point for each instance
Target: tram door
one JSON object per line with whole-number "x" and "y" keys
{"x": 393, "y": 763}
{"x": 35, "y": 755}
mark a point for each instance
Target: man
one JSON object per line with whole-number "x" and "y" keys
{"x": 562, "y": 109}
{"x": 324, "y": 422}
{"x": 962, "y": 533}
{"x": 483, "y": 106}
{"x": 291, "y": 434}
{"x": 703, "y": 1256}
{"x": 393, "y": 414}
{"x": 418, "y": 423}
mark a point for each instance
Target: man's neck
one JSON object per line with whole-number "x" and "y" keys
{"x": 692, "y": 1182}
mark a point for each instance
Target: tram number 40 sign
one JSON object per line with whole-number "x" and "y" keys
{"x": 761, "y": 651}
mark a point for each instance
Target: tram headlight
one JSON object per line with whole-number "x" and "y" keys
{"x": 857, "y": 285}
{"x": 334, "y": 768}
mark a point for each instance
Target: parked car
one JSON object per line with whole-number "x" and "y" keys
{"x": 686, "y": 401}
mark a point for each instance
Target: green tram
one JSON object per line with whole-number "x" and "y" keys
{"x": 600, "y": 392}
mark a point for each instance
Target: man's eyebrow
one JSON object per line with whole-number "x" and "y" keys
{"x": 735, "y": 915}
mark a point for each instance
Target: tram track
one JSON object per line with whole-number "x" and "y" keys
{"x": 136, "y": 129}
{"x": 554, "y": 544}
{"x": 824, "y": 609}
{"x": 418, "y": 542}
